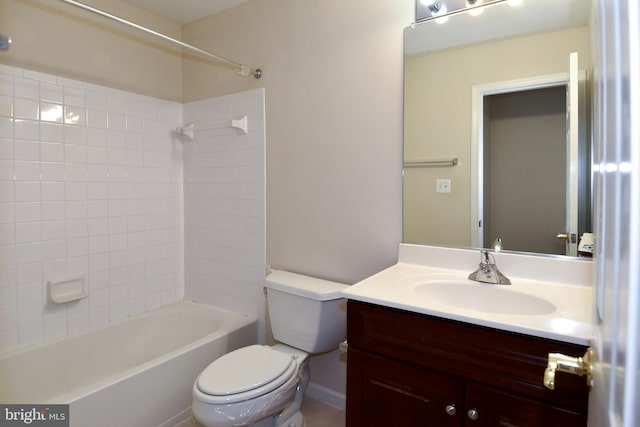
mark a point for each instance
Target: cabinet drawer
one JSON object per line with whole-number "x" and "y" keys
{"x": 510, "y": 361}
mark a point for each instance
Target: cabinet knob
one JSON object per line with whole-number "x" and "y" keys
{"x": 473, "y": 414}
{"x": 450, "y": 409}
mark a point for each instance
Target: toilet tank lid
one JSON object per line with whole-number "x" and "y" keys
{"x": 305, "y": 286}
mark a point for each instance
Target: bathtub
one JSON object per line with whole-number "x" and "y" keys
{"x": 137, "y": 372}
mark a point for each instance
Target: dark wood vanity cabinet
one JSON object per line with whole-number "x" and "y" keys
{"x": 406, "y": 369}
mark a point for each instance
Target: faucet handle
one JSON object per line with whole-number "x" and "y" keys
{"x": 485, "y": 257}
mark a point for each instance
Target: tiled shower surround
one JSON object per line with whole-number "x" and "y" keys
{"x": 91, "y": 184}
{"x": 224, "y": 174}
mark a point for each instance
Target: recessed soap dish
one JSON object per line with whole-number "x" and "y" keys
{"x": 67, "y": 290}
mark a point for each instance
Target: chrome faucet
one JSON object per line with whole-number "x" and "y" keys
{"x": 487, "y": 271}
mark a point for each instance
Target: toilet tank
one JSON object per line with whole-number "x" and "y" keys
{"x": 305, "y": 312}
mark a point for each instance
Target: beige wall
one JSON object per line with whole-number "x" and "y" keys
{"x": 438, "y": 121}
{"x": 56, "y": 38}
{"x": 333, "y": 80}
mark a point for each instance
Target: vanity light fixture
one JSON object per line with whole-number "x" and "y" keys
{"x": 428, "y": 10}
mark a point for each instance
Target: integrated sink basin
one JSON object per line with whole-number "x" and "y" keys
{"x": 552, "y": 300}
{"x": 487, "y": 298}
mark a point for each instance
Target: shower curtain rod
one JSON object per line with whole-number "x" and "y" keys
{"x": 241, "y": 69}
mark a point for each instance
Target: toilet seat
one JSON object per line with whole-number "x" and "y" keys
{"x": 245, "y": 374}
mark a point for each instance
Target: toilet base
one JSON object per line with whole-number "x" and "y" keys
{"x": 297, "y": 420}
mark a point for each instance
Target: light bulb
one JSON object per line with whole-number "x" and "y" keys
{"x": 476, "y": 10}
{"x": 441, "y": 11}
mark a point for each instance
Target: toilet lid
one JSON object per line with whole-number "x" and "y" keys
{"x": 246, "y": 373}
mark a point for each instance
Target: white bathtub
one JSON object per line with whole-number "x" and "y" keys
{"x": 134, "y": 373}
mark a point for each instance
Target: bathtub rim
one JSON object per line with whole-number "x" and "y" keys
{"x": 238, "y": 321}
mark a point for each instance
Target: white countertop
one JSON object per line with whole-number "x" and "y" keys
{"x": 567, "y": 315}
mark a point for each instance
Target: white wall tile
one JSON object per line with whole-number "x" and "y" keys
{"x": 27, "y": 211}
{"x": 6, "y": 149}
{"x": 38, "y": 76}
{"x": 51, "y": 92}
{"x": 30, "y": 294}
{"x": 6, "y": 84}
{"x": 8, "y": 214}
{"x": 52, "y": 132}
{"x": 27, "y": 171}
{"x": 53, "y": 250}
{"x": 8, "y": 304}
{"x": 27, "y": 191}
{"x": 25, "y": 109}
{"x": 72, "y": 201}
{"x": 30, "y": 333}
{"x": 29, "y": 314}
{"x": 78, "y": 322}
{"x": 26, "y": 88}
{"x": 75, "y": 191}
{"x": 75, "y": 153}
{"x": 224, "y": 206}
{"x": 7, "y": 233}
{"x": 98, "y": 226}
{"x": 6, "y": 106}
{"x": 99, "y": 316}
{"x": 6, "y": 127}
{"x": 51, "y": 152}
{"x": 28, "y": 253}
{"x": 28, "y": 232}
{"x": 26, "y": 129}
{"x": 52, "y": 190}
{"x": 57, "y": 266}
{"x": 6, "y": 170}
{"x": 50, "y": 112}
{"x": 8, "y": 339}
{"x": 75, "y": 94}
{"x": 55, "y": 326}
{"x": 75, "y": 115}
{"x": 75, "y": 134}
{"x": 52, "y": 171}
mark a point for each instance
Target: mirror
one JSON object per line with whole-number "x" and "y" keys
{"x": 478, "y": 119}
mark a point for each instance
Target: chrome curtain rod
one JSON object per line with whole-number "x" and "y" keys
{"x": 241, "y": 69}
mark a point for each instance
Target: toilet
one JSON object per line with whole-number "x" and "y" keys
{"x": 263, "y": 386}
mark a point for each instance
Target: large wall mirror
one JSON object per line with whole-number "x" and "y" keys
{"x": 496, "y": 131}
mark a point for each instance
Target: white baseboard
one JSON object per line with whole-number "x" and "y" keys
{"x": 326, "y": 395}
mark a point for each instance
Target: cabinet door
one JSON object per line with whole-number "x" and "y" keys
{"x": 494, "y": 408}
{"x": 385, "y": 393}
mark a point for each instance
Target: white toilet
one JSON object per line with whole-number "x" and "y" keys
{"x": 262, "y": 386}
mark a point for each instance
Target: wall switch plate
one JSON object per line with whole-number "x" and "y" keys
{"x": 443, "y": 186}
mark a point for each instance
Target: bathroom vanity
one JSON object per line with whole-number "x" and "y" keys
{"x": 408, "y": 369}
{"x": 415, "y": 357}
